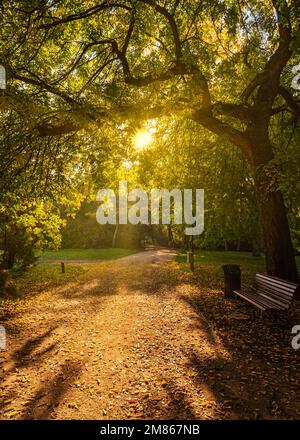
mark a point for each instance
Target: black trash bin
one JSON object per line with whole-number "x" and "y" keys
{"x": 232, "y": 279}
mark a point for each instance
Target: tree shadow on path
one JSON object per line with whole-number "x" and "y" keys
{"x": 259, "y": 376}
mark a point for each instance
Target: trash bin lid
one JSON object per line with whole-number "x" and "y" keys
{"x": 231, "y": 267}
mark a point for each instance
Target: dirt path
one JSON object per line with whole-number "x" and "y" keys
{"x": 121, "y": 342}
{"x": 151, "y": 256}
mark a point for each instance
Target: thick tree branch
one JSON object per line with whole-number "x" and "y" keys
{"x": 240, "y": 111}
{"x": 128, "y": 35}
{"x": 289, "y": 99}
{"x": 131, "y": 112}
{"x": 84, "y": 14}
{"x": 178, "y": 69}
{"x": 280, "y": 109}
{"x": 252, "y": 86}
{"x": 268, "y": 81}
{"x": 224, "y": 130}
{"x": 46, "y": 129}
{"x": 269, "y": 86}
{"x": 44, "y": 86}
{"x": 162, "y": 10}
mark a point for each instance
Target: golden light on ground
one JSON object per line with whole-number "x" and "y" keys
{"x": 142, "y": 139}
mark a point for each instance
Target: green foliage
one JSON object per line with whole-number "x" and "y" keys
{"x": 83, "y": 77}
{"x": 83, "y": 231}
{"x": 231, "y": 218}
{"x": 208, "y": 266}
{"x": 26, "y": 225}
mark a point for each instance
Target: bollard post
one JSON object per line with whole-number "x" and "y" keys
{"x": 63, "y": 268}
{"x": 190, "y": 260}
{"x": 192, "y": 265}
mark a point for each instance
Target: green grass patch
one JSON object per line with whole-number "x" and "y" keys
{"x": 219, "y": 257}
{"x": 208, "y": 266}
{"x": 88, "y": 254}
{"x": 43, "y": 276}
{"x": 48, "y": 272}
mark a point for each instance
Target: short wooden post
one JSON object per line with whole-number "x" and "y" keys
{"x": 192, "y": 266}
{"x": 190, "y": 260}
{"x": 63, "y": 268}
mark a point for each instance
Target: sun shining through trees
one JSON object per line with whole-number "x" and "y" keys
{"x": 142, "y": 139}
{"x": 152, "y": 117}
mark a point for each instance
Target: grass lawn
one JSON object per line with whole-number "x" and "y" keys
{"x": 42, "y": 276}
{"x": 46, "y": 274}
{"x": 208, "y": 265}
{"x": 88, "y": 254}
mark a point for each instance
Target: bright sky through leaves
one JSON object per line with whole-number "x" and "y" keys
{"x": 142, "y": 139}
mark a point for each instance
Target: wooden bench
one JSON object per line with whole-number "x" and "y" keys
{"x": 270, "y": 293}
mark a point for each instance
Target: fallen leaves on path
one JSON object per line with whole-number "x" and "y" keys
{"x": 144, "y": 341}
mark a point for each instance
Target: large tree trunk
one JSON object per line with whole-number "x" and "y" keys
{"x": 280, "y": 258}
{"x": 279, "y": 252}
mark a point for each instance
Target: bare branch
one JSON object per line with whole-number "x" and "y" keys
{"x": 80, "y": 57}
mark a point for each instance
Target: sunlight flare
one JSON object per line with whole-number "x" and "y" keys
{"x": 142, "y": 139}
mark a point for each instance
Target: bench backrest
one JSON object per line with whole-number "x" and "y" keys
{"x": 279, "y": 291}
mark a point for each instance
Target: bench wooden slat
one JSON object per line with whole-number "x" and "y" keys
{"x": 249, "y": 299}
{"x": 278, "y": 291}
{"x": 274, "y": 294}
{"x": 276, "y": 282}
{"x": 275, "y": 288}
{"x": 281, "y": 304}
{"x": 270, "y": 293}
{"x": 279, "y": 280}
{"x": 258, "y": 300}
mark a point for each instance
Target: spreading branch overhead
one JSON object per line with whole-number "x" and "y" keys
{"x": 257, "y": 99}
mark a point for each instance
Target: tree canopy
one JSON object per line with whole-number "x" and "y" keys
{"x": 83, "y": 77}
